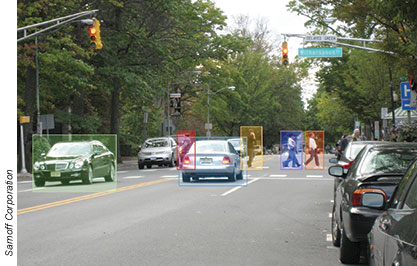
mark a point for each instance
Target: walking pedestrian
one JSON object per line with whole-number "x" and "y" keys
{"x": 251, "y": 146}
{"x": 292, "y": 150}
{"x": 312, "y": 150}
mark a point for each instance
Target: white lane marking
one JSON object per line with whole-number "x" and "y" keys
{"x": 236, "y": 188}
{"x": 165, "y": 176}
{"x": 332, "y": 201}
{"x": 133, "y": 177}
{"x": 277, "y": 175}
{"x": 330, "y": 215}
{"x": 149, "y": 170}
{"x": 328, "y": 237}
{"x": 173, "y": 169}
{"x": 121, "y": 172}
{"x": 23, "y": 182}
{"x": 314, "y": 175}
{"x": 296, "y": 178}
{"x": 32, "y": 189}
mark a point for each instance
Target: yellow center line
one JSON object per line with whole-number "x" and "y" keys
{"x": 89, "y": 196}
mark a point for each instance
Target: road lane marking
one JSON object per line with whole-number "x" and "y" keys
{"x": 277, "y": 175}
{"x": 314, "y": 175}
{"x": 23, "y": 182}
{"x": 32, "y": 189}
{"x": 89, "y": 196}
{"x": 296, "y": 178}
{"x": 237, "y": 188}
{"x": 329, "y": 237}
{"x": 330, "y": 215}
{"x": 332, "y": 201}
{"x": 121, "y": 172}
{"x": 133, "y": 177}
{"x": 150, "y": 170}
{"x": 167, "y": 176}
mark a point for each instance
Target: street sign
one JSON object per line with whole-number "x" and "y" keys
{"x": 408, "y": 97}
{"x": 208, "y": 126}
{"x": 376, "y": 135}
{"x": 48, "y": 121}
{"x": 24, "y": 119}
{"x": 175, "y": 95}
{"x": 384, "y": 112}
{"x": 320, "y": 38}
{"x": 320, "y": 52}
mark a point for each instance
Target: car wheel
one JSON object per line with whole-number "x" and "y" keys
{"x": 110, "y": 176}
{"x": 232, "y": 177}
{"x": 171, "y": 163}
{"x": 185, "y": 178}
{"x": 240, "y": 175}
{"x": 140, "y": 166}
{"x": 149, "y": 166}
{"x": 335, "y": 229}
{"x": 65, "y": 182}
{"x": 39, "y": 183}
{"x": 349, "y": 251}
{"x": 88, "y": 178}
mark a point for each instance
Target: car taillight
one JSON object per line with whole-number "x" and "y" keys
{"x": 226, "y": 160}
{"x": 346, "y": 166}
{"x": 187, "y": 160}
{"x": 357, "y": 195}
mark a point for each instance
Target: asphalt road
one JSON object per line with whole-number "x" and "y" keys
{"x": 280, "y": 218}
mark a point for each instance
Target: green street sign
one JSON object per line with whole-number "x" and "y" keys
{"x": 320, "y": 52}
{"x": 404, "y": 78}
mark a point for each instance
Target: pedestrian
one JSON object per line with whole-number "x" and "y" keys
{"x": 251, "y": 146}
{"x": 312, "y": 150}
{"x": 356, "y": 136}
{"x": 342, "y": 144}
{"x": 292, "y": 150}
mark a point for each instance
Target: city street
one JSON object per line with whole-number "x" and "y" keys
{"x": 280, "y": 218}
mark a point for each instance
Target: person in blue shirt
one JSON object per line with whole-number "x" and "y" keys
{"x": 292, "y": 150}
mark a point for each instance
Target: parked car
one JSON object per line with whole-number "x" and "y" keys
{"x": 393, "y": 238}
{"x": 157, "y": 151}
{"x": 239, "y": 147}
{"x": 67, "y": 161}
{"x": 213, "y": 158}
{"x": 377, "y": 168}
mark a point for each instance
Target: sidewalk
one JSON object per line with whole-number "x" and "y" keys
{"x": 128, "y": 162}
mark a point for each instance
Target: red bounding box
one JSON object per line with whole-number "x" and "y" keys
{"x": 186, "y": 150}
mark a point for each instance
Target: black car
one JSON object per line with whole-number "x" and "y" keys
{"x": 351, "y": 151}
{"x": 377, "y": 168}
{"x": 393, "y": 238}
{"x": 68, "y": 161}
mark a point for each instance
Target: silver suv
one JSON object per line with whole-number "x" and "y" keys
{"x": 158, "y": 151}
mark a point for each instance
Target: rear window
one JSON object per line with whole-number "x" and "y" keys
{"x": 387, "y": 160}
{"x": 353, "y": 150}
{"x": 210, "y": 146}
{"x": 235, "y": 143}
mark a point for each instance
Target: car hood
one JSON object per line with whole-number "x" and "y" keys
{"x": 157, "y": 149}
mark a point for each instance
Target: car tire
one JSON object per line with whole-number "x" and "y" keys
{"x": 335, "y": 229}
{"x": 65, "y": 182}
{"x": 140, "y": 166}
{"x": 185, "y": 178}
{"x": 232, "y": 177}
{"x": 39, "y": 183}
{"x": 149, "y": 166}
{"x": 240, "y": 175}
{"x": 88, "y": 177}
{"x": 111, "y": 174}
{"x": 171, "y": 162}
{"x": 349, "y": 251}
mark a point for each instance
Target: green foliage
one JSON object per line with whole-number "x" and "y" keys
{"x": 40, "y": 144}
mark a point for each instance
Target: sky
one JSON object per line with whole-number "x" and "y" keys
{"x": 279, "y": 20}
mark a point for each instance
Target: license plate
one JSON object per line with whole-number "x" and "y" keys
{"x": 206, "y": 160}
{"x": 55, "y": 174}
{"x": 153, "y": 158}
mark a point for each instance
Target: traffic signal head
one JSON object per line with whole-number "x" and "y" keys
{"x": 285, "y": 61}
{"x": 95, "y": 39}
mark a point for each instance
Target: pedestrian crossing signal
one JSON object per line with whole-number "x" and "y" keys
{"x": 285, "y": 61}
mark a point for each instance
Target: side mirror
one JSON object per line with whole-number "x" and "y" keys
{"x": 373, "y": 200}
{"x": 333, "y": 160}
{"x": 139, "y": 147}
{"x": 43, "y": 154}
{"x": 336, "y": 170}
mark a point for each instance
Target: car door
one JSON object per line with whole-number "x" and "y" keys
{"x": 236, "y": 157}
{"x": 400, "y": 225}
{"x": 98, "y": 161}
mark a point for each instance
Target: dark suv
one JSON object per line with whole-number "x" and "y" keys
{"x": 377, "y": 168}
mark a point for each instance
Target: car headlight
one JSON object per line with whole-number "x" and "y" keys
{"x": 36, "y": 166}
{"x": 78, "y": 164}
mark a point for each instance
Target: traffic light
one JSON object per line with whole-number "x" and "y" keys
{"x": 95, "y": 39}
{"x": 285, "y": 61}
{"x": 177, "y": 106}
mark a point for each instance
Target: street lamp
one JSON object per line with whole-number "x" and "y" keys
{"x": 208, "y": 125}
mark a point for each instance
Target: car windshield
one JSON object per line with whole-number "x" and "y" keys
{"x": 235, "y": 143}
{"x": 353, "y": 150}
{"x": 388, "y": 160}
{"x": 154, "y": 143}
{"x": 210, "y": 146}
{"x": 69, "y": 149}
